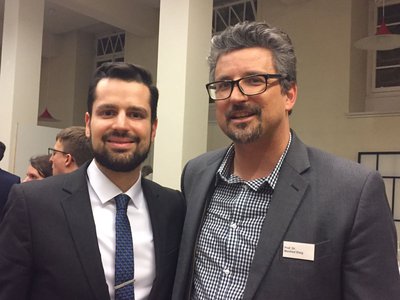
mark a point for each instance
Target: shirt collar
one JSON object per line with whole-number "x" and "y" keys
{"x": 224, "y": 171}
{"x": 106, "y": 190}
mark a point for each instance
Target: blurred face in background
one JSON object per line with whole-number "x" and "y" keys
{"x": 59, "y": 159}
{"x": 32, "y": 174}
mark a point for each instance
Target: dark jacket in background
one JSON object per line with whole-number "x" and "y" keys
{"x": 6, "y": 181}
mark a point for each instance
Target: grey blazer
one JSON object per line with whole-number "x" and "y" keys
{"x": 48, "y": 242}
{"x": 334, "y": 204}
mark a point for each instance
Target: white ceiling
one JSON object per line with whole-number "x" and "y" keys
{"x": 58, "y": 19}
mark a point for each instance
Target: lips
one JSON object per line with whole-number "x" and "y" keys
{"x": 120, "y": 141}
{"x": 240, "y": 114}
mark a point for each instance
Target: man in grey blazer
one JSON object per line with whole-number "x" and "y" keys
{"x": 58, "y": 238}
{"x": 269, "y": 217}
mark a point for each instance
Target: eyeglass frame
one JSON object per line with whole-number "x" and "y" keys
{"x": 236, "y": 82}
{"x": 52, "y": 151}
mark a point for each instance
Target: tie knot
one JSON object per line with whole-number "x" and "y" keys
{"x": 122, "y": 201}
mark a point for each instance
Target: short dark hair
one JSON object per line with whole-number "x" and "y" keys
{"x": 2, "y": 150}
{"x": 257, "y": 34}
{"x": 42, "y": 164}
{"x": 126, "y": 72}
{"x": 76, "y": 143}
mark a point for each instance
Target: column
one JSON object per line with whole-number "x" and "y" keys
{"x": 20, "y": 70}
{"x": 184, "y": 38}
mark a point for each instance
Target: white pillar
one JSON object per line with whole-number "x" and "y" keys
{"x": 20, "y": 70}
{"x": 184, "y": 38}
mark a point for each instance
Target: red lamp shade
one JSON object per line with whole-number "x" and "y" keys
{"x": 46, "y": 116}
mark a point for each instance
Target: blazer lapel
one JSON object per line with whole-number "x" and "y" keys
{"x": 286, "y": 199}
{"x": 200, "y": 193}
{"x": 151, "y": 199}
{"x": 197, "y": 185}
{"x": 78, "y": 213}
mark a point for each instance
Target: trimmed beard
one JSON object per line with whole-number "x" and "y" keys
{"x": 124, "y": 162}
{"x": 243, "y": 133}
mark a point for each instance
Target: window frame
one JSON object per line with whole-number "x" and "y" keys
{"x": 114, "y": 56}
{"x": 379, "y": 98}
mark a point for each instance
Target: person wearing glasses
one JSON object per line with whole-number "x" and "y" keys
{"x": 269, "y": 217}
{"x": 71, "y": 150}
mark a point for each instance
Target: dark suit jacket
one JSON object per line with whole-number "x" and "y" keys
{"x": 48, "y": 242}
{"x": 6, "y": 181}
{"x": 319, "y": 199}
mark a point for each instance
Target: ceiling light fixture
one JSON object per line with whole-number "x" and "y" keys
{"x": 46, "y": 116}
{"x": 383, "y": 39}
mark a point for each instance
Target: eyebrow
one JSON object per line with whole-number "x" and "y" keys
{"x": 128, "y": 109}
{"x": 248, "y": 73}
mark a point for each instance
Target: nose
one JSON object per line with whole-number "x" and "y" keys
{"x": 120, "y": 122}
{"x": 237, "y": 95}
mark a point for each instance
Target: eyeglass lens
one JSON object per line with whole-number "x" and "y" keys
{"x": 250, "y": 85}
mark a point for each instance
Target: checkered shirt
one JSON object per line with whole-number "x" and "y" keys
{"x": 230, "y": 232}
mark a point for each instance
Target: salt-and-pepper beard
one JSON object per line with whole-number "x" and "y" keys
{"x": 242, "y": 134}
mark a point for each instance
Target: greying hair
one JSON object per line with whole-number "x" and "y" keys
{"x": 257, "y": 34}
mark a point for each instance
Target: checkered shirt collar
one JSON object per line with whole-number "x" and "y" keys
{"x": 224, "y": 171}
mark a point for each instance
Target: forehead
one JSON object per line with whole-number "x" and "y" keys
{"x": 244, "y": 62}
{"x": 32, "y": 170}
{"x": 119, "y": 92}
{"x": 58, "y": 145}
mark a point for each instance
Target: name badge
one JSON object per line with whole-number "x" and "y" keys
{"x": 298, "y": 250}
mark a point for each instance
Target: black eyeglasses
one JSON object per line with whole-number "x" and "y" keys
{"x": 250, "y": 85}
{"x": 52, "y": 151}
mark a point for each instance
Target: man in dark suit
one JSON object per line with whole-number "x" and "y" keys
{"x": 61, "y": 237}
{"x": 6, "y": 180}
{"x": 269, "y": 217}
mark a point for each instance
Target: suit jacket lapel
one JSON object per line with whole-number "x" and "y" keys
{"x": 197, "y": 185}
{"x": 151, "y": 199}
{"x": 78, "y": 213}
{"x": 200, "y": 193}
{"x": 286, "y": 199}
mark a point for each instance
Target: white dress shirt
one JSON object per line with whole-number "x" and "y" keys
{"x": 102, "y": 192}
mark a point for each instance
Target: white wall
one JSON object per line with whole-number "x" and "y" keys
{"x": 65, "y": 79}
{"x": 84, "y": 68}
{"x": 32, "y": 141}
{"x": 142, "y": 51}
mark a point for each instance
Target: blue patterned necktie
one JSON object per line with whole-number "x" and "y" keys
{"x": 124, "y": 268}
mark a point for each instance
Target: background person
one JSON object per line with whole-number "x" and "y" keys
{"x": 147, "y": 171}
{"x": 39, "y": 168}
{"x": 269, "y": 217}
{"x": 71, "y": 150}
{"x": 70, "y": 246}
{"x": 6, "y": 180}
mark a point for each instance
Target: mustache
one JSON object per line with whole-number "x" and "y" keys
{"x": 242, "y": 107}
{"x": 120, "y": 134}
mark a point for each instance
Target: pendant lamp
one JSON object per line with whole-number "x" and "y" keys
{"x": 383, "y": 39}
{"x": 46, "y": 116}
